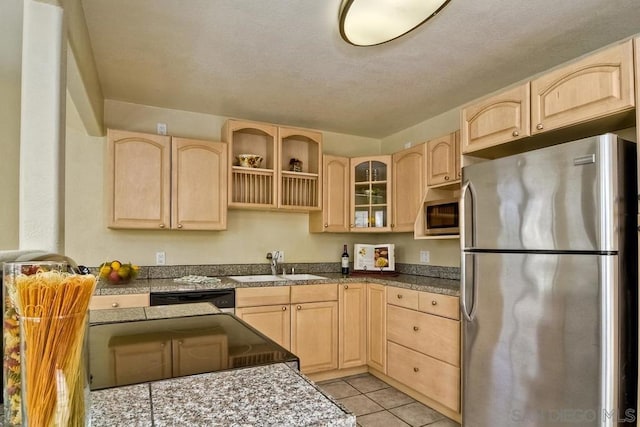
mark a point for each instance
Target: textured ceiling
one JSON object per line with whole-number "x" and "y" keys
{"x": 284, "y": 61}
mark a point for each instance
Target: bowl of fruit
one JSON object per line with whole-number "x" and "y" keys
{"x": 118, "y": 273}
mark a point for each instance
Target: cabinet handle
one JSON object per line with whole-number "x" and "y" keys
{"x": 399, "y": 296}
{"x": 393, "y": 225}
{"x": 515, "y": 133}
{"x": 434, "y": 302}
{"x": 299, "y": 307}
{"x": 115, "y": 304}
{"x": 284, "y": 308}
{"x": 415, "y": 328}
{"x": 539, "y": 126}
{"x": 161, "y": 225}
{"x": 179, "y": 225}
{"x": 162, "y": 344}
{"x": 446, "y": 177}
{"x": 179, "y": 342}
{"x": 351, "y": 225}
{"x": 416, "y": 369}
{"x": 346, "y": 286}
{"x": 326, "y": 225}
{"x": 459, "y": 174}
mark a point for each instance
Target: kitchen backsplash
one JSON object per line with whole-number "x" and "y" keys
{"x": 173, "y": 271}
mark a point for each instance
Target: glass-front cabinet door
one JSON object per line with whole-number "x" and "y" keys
{"x": 371, "y": 193}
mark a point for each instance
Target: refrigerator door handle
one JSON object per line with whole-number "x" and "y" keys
{"x": 468, "y": 315}
{"x": 467, "y": 188}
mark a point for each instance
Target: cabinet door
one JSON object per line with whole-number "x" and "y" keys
{"x": 352, "y": 319}
{"x": 139, "y": 359}
{"x": 314, "y": 335}
{"x": 409, "y": 168}
{"x": 457, "y": 168}
{"x": 199, "y": 352}
{"x": 138, "y": 180}
{"x": 199, "y": 184}
{"x": 249, "y": 187}
{"x": 334, "y": 216}
{"x": 495, "y": 120}
{"x": 370, "y": 194}
{"x": 300, "y": 169}
{"x": 272, "y": 320}
{"x": 442, "y": 160}
{"x": 596, "y": 86}
{"x": 377, "y": 327}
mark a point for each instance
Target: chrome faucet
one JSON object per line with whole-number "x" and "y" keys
{"x": 273, "y": 257}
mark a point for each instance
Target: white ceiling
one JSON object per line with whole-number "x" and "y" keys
{"x": 284, "y": 61}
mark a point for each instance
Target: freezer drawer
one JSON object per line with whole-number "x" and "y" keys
{"x": 545, "y": 341}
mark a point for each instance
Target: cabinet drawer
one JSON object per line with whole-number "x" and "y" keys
{"x": 312, "y": 293}
{"x": 407, "y": 298}
{"x": 268, "y": 295}
{"x": 432, "y": 335}
{"x": 441, "y": 305}
{"x": 100, "y": 302}
{"x": 433, "y": 378}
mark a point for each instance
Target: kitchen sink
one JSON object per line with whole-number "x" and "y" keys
{"x": 302, "y": 277}
{"x": 272, "y": 278}
{"x": 257, "y": 278}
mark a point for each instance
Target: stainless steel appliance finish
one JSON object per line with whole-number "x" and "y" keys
{"x": 441, "y": 217}
{"x": 549, "y": 287}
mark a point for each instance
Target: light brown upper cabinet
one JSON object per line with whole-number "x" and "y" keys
{"x": 596, "y": 86}
{"x": 370, "y": 193}
{"x": 443, "y": 155}
{"x": 408, "y": 183}
{"x": 140, "y": 169}
{"x": 495, "y": 120}
{"x": 252, "y": 187}
{"x": 334, "y": 216}
{"x": 290, "y": 174}
{"x": 300, "y": 173}
{"x": 198, "y": 184}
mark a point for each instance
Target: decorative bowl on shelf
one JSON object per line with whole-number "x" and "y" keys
{"x": 249, "y": 160}
{"x": 117, "y": 273}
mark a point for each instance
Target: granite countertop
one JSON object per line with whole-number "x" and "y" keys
{"x": 408, "y": 281}
{"x": 264, "y": 395}
{"x": 147, "y": 313}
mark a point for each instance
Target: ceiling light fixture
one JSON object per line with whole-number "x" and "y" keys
{"x": 373, "y": 22}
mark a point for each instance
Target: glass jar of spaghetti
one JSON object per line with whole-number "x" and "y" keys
{"x": 11, "y": 366}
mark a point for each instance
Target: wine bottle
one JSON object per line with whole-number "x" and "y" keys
{"x": 345, "y": 262}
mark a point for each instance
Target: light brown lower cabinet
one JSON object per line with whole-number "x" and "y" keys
{"x": 433, "y": 378}
{"x": 352, "y": 331}
{"x": 272, "y": 320}
{"x": 314, "y": 335}
{"x": 377, "y": 327}
{"x": 302, "y": 319}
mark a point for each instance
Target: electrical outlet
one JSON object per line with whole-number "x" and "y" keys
{"x": 162, "y": 128}
{"x": 280, "y": 256}
{"x": 161, "y": 258}
{"x": 424, "y": 257}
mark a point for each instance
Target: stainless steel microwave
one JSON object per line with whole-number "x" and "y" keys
{"x": 441, "y": 217}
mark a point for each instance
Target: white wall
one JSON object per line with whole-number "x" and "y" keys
{"x": 10, "y": 69}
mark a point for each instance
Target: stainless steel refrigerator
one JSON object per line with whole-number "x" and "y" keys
{"x": 549, "y": 286}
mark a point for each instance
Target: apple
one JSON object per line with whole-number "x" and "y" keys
{"x": 114, "y": 277}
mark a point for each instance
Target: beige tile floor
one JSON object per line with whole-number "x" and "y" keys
{"x": 375, "y": 403}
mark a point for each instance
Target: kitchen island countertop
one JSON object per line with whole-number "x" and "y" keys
{"x": 263, "y": 395}
{"x": 407, "y": 281}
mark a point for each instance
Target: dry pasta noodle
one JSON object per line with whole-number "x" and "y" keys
{"x": 53, "y": 308}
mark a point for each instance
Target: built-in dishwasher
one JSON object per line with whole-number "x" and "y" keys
{"x": 224, "y": 299}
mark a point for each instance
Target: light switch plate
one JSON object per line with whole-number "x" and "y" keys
{"x": 280, "y": 255}
{"x": 424, "y": 257}
{"x": 161, "y": 258}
